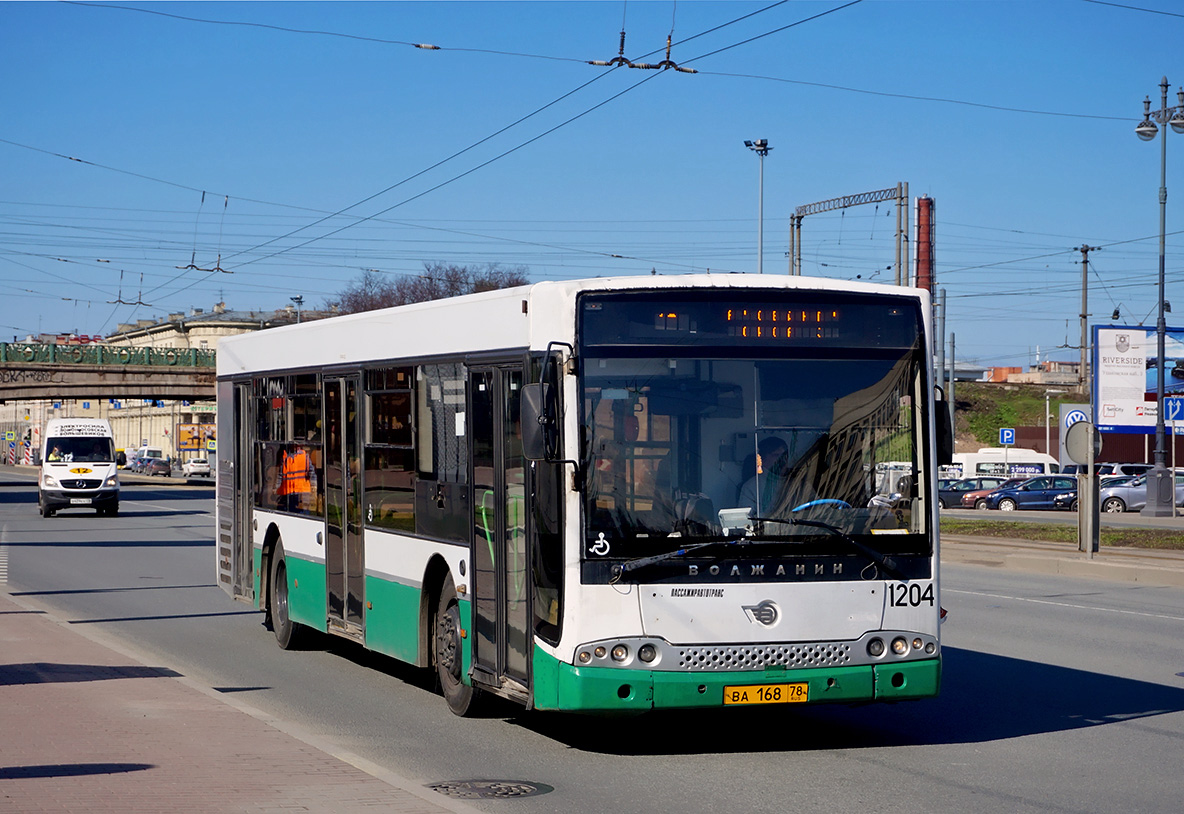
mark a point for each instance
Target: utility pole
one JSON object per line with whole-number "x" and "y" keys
{"x": 1083, "y": 370}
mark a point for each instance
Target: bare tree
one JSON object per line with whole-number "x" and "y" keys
{"x": 372, "y": 290}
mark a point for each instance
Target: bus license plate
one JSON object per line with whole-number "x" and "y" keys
{"x": 80, "y": 501}
{"x": 767, "y": 694}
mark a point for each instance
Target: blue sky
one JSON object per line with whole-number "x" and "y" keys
{"x": 1017, "y": 118}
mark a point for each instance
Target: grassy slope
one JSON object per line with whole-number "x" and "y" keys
{"x": 1063, "y": 533}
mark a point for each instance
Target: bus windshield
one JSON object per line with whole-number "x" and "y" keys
{"x": 715, "y": 436}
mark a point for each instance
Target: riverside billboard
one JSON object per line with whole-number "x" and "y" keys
{"x": 1125, "y": 368}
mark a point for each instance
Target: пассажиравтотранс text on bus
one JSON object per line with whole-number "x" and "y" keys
{"x": 606, "y": 495}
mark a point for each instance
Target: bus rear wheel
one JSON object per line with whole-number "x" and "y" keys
{"x": 448, "y": 654}
{"x": 288, "y": 634}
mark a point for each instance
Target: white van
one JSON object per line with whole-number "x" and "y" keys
{"x": 144, "y": 453}
{"x": 78, "y": 467}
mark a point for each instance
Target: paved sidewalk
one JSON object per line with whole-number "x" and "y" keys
{"x": 84, "y": 728}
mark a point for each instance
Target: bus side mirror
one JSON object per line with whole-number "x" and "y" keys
{"x": 945, "y": 431}
{"x": 538, "y": 422}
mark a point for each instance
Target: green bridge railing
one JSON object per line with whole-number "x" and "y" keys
{"x": 100, "y": 354}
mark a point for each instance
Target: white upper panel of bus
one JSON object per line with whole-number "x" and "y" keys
{"x": 513, "y": 318}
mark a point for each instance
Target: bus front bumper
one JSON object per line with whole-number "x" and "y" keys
{"x": 561, "y": 686}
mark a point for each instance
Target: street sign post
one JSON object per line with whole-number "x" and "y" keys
{"x": 1006, "y": 440}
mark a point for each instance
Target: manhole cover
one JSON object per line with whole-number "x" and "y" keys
{"x": 486, "y": 789}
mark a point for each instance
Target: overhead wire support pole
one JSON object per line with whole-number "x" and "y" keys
{"x": 898, "y": 193}
{"x": 1083, "y": 372}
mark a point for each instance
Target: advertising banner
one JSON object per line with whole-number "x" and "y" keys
{"x": 1126, "y": 374}
{"x": 195, "y": 436}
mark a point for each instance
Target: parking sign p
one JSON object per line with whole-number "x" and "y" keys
{"x": 1006, "y": 436}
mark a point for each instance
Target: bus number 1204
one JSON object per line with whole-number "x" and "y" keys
{"x": 905, "y": 595}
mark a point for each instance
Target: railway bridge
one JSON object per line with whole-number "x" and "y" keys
{"x": 42, "y": 371}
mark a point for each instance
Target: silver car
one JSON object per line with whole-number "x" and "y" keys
{"x": 1132, "y": 496}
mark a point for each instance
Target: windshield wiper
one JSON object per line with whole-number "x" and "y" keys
{"x": 878, "y": 558}
{"x": 642, "y": 562}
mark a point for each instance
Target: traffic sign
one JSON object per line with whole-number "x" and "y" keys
{"x": 1006, "y": 436}
{"x": 1173, "y": 408}
{"x": 1078, "y": 440}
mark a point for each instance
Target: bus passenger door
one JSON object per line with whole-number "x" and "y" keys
{"x": 501, "y": 646}
{"x": 344, "y": 568}
{"x": 234, "y": 468}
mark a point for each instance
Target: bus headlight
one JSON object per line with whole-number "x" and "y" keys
{"x": 49, "y": 482}
{"x": 647, "y": 653}
{"x": 620, "y": 652}
{"x": 900, "y": 646}
{"x": 875, "y": 648}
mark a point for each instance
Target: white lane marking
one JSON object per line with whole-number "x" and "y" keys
{"x": 1065, "y": 604}
{"x": 3, "y": 565}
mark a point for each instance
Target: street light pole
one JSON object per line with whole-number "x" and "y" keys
{"x": 761, "y": 148}
{"x": 1160, "y": 483}
{"x": 299, "y": 300}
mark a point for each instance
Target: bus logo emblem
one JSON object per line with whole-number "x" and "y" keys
{"x": 766, "y": 613}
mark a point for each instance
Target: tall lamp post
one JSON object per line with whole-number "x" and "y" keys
{"x": 760, "y": 147}
{"x": 1161, "y": 496}
{"x": 299, "y": 300}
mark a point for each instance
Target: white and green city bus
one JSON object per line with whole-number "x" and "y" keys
{"x": 553, "y": 493}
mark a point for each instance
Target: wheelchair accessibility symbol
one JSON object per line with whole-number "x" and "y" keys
{"x": 600, "y": 547}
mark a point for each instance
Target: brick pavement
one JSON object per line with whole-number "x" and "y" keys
{"x": 84, "y": 728}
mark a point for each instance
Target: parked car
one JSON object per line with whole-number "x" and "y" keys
{"x": 1122, "y": 469}
{"x": 978, "y": 498}
{"x": 951, "y": 494}
{"x": 1034, "y": 493}
{"x": 1116, "y": 480}
{"x": 158, "y": 466}
{"x": 196, "y": 466}
{"x": 1132, "y": 496}
{"x": 1066, "y": 500}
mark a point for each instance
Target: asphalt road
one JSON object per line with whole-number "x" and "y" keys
{"x": 1059, "y": 694}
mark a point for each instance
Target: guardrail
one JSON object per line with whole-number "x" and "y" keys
{"x": 99, "y": 354}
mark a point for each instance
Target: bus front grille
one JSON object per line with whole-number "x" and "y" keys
{"x": 708, "y": 659}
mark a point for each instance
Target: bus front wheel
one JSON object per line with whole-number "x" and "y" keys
{"x": 447, "y": 653}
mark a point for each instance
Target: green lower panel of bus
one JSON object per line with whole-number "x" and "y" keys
{"x": 306, "y": 592}
{"x": 561, "y": 686}
{"x": 393, "y": 618}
